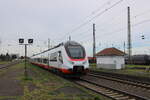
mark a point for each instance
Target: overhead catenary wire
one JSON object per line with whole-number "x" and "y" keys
{"x": 134, "y": 25}
{"x": 143, "y": 13}
{"x": 101, "y": 25}
{"x": 96, "y": 12}
{"x": 91, "y": 14}
{"x": 144, "y": 21}
{"x": 94, "y": 17}
{"x": 97, "y": 15}
{"x": 131, "y": 18}
{"x": 112, "y": 19}
{"x": 119, "y": 30}
{"x": 99, "y": 8}
{"x": 134, "y": 17}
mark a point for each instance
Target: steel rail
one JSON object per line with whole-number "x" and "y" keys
{"x": 9, "y": 65}
{"x": 138, "y": 84}
{"x": 120, "y": 94}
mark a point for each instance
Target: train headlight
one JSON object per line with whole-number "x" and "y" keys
{"x": 71, "y": 62}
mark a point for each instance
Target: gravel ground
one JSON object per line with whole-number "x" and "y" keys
{"x": 9, "y": 86}
{"x": 40, "y": 85}
{"x": 119, "y": 86}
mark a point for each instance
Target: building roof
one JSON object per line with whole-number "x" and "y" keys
{"x": 110, "y": 52}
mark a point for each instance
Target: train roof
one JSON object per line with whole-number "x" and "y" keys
{"x": 64, "y": 43}
{"x": 71, "y": 43}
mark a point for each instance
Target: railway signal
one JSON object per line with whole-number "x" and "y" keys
{"x": 21, "y": 41}
{"x": 143, "y": 37}
{"x": 30, "y": 40}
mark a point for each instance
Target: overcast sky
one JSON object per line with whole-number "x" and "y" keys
{"x": 57, "y": 19}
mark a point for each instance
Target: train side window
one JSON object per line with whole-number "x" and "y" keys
{"x": 38, "y": 59}
{"x": 60, "y": 57}
{"x": 45, "y": 61}
{"x": 53, "y": 57}
{"x": 35, "y": 59}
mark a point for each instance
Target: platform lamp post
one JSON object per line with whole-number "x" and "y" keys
{"x": 21, "y": 42}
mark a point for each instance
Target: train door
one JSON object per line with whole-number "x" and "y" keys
{"x": 60, "y": 59}
{"x": 53, "y": 60}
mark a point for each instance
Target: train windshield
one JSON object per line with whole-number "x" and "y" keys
{"x": 76, "y": 52}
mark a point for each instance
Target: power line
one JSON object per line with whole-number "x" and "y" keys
{"x": 141, "y": 14}
{"x": 113, "y": 19}
{"x": 121, "y": 29}
{"x": 97, "y": 15}
{"x": 144, "y": 21}
{"x": 91, "y": 14}
{"x": 98, "y": 9}
{"x": 134, "y": 18}
{"x": 100, "y": 25}
{"x": 136, "y": 23}
{"x": 82, "y": 33}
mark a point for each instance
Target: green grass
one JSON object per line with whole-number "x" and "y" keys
{"x": 9, "y": 97}
{"x": 14, "y": 67}
{"x": 128, "y": 70}
{"x": 132, "y": 66}
{"x": 4, "y": 62}
{"x": 41, "y": 85}
{"x": 3, "y": 72}
{"x": 46, "y": 83}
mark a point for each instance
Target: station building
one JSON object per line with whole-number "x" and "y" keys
{"x": 110, "y": 58}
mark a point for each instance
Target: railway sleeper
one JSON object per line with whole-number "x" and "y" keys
{"x": 123, "y": 98}
{"x": 111, "y": 94}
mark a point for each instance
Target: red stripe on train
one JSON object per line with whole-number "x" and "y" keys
{"x": 77, "y": 59}
{"x": 66, "y": 71}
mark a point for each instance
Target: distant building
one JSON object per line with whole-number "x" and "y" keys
{"x": 14, "y": 56}
{"x": 110, "y": 58}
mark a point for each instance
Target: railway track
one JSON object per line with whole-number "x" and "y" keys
{"x": 113, "y": 89}
{"x": 3, "y": 66}
{"x": 110, "y": 93}
{"x": 133, "y": 83}
{"x": 134, "y": 79}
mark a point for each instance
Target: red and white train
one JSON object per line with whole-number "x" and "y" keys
{"x": 67, "y": 58}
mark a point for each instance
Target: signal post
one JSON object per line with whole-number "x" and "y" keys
{"x": 21, "y": 42}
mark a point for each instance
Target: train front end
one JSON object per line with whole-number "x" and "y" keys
{"x": 77, "y": 62}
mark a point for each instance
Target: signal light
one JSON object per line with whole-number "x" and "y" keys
{"x": 21, "y": 40}
{"x": 143, "y": 37}
{"x": 30, "y": 40}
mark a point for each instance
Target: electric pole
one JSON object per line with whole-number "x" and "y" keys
{"x": 25, "y": 72}
{"x": 69, "y": 38}
{"x": 124, "y": 46}
{"x": 129, "y": 36}
{"x": 48, "y": 43}
{"x": 94, "y": 49}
